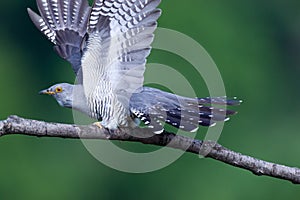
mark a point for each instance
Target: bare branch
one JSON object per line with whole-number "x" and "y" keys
{"x": 17, "y": 125}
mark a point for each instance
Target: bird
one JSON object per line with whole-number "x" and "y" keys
{"x": 107, "y": 45}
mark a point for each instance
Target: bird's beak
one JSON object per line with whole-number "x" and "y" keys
{"x": 48, "y": 92}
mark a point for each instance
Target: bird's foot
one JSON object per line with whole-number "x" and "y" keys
{"x": 98, "y": 124}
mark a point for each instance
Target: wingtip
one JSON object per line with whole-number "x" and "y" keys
{"x": 238, "y": 100}
{"x": 33, "y": 16}
{"x": 30, "y": 12}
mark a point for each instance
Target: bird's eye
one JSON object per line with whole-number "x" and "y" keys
{"x": 58, "y": 90}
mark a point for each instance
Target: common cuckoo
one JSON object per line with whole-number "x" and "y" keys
{"x": 107, "y": 45}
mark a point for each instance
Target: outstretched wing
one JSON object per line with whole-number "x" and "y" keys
{"x": 64, "y": 23}
{"x": 120, "y": 35}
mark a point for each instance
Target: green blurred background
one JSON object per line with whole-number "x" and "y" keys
{"x": 255, "y": 44}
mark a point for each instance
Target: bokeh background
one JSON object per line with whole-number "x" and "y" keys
{"x": 256, "y": 46}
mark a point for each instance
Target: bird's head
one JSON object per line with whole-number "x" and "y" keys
{"x": 62, "y": 92}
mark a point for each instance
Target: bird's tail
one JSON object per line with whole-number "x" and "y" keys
{"x": 64, "y": 23}
{"x": 155, "y": 107}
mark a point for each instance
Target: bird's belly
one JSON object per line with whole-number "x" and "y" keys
{"x": 104, "y": 106}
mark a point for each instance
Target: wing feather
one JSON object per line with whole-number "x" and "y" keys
{"x": 120, "y": 37}
{"x": 64, "y": 23}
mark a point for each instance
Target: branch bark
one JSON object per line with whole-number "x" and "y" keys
{"x": 17, "y": 125}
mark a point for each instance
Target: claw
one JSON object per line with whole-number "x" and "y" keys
{"x": 98, "y": 124}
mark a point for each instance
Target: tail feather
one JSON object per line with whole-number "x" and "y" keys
{"x": 181, "y": 112}
{"x": 195, "y": 116}
{"x": 217, "y": 101}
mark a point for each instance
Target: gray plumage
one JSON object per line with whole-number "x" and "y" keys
{"x": 107, "y": 45}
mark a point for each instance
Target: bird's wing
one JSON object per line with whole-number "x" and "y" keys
{"x": 64, "y": 23}
{"x": 120, "y": 35}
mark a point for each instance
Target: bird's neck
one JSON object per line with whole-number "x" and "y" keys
{"x": 79, "y": 100}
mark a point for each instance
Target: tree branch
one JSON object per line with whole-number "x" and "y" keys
{"x": 17, "y": 125}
